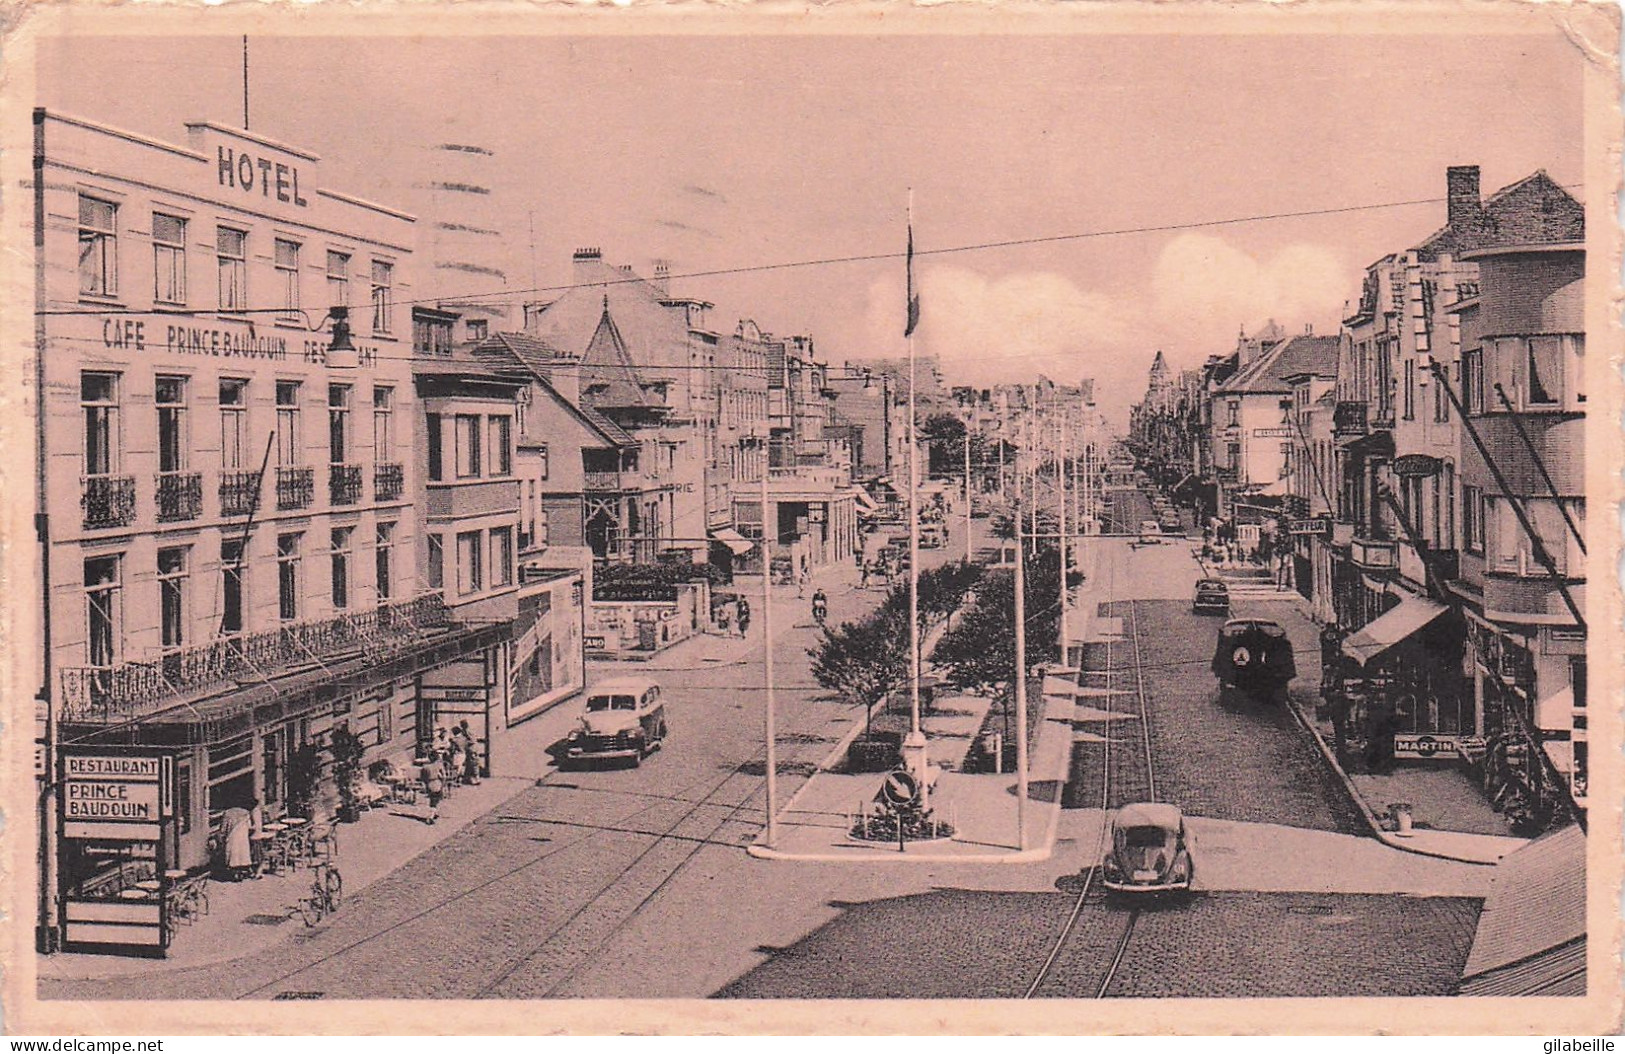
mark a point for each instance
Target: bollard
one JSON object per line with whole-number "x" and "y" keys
{"x": 998, "y": 753}
{"x": 1403, "y": 823}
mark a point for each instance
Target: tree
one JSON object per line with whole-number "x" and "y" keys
{"x": 981, "y": 650}
{"x": 864, "y": 660}
{"x": 944, "y": 437}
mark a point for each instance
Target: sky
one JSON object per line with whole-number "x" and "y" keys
{"x": 738, "y": 151}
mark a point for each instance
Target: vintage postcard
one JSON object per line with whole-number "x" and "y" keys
{"x": 831, "y": 519}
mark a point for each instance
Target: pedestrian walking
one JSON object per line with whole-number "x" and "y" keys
{"x": 434, "y": 784}
{"x": 863, "y": 575}
{"x": 744, "y": 616}
{"x": 471, "y": 758}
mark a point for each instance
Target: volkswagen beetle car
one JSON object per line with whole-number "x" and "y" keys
{"x": 1212, "y": 597}
{"x": 1149, "y": 851}
{"x": 624, "y": 718}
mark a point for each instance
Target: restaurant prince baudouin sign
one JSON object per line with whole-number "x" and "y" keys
{"x": 113, "y": 795}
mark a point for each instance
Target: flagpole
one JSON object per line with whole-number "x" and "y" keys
{"x": 1060, "y": 479}
{"x": 915, "y": 748}
{"x": 770, "y": 733}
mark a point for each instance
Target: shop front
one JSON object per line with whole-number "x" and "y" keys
{"x": 250, "y": 734}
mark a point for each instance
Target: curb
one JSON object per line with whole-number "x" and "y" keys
{"x": 1379, "y": 832}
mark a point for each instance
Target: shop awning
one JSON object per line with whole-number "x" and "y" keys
{"x": 737, "y": 543}
{"x": 865, "y": 503}
{"x": 1389, "y": 629}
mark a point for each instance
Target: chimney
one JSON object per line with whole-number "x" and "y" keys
{"x": 662, "y": 277}
{"x": 1464, "y": 202}
{"x": 584, "y": 265}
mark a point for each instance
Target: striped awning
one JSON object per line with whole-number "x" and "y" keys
{"x": 1388, "y": 629}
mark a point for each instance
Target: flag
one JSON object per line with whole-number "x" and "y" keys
{"x": 913, "y": 294}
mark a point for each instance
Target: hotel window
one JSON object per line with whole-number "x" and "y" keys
{"x": 1233, "y": 408}
{"x": 437, "y": 562}
{"x": 383, "y": 294}
{"x": 287, "y": 279}
{"x": 478, "y": 328}
{"x": 470, "y": 578}
{"x": 1472, "y": 518}
{"x": 169, "y": 395}
{"x": 541, "y": 461}
{"x": 1544, "y": 359}
{"x": 231, "y": 249}
{"x": 172, "y": 590}
{"x": 384, "y": 550}
{"x": 287, "y": 423}
{"x": 435, "y": 439}
{"x": 468, "y": 446}
{"x": 231, "y": 586}
{"x": 338, "y": 279}
{"x": 168, "y": 259}
{"x": 98, "y": 247}
{"x": 287, "y": 576}
{"x": 501, "y": 438}
{"x": 1410, "y": 390}
{"x": 233, "y": 421}
{"x": 340, "y": 554}
{"x": 338, "y": 423}
{"x": 102, "y": 588}
{"x": 98, "y": 395}
{"x": 1472, "y": 380}
{"x": 501, "y": 556}
{"x": 383, "y": 424}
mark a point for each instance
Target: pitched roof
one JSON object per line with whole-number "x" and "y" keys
{"x": 1534, "y": 917}
{"x": 1267, "y": 374}
{"x": 539, "y": 359}
{"x": 537, "y": 356}
{"x": 607, "y": 370}
{"x": 653, "y": 326}
{"x": 1532, "y": 211}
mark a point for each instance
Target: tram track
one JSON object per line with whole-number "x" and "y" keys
{"x": 733, "y": 793}
{"x": 1124, "y": 766}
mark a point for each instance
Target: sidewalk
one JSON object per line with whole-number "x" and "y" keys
{"x": 1452, "y": 820}
{"x": 249, "y": 916}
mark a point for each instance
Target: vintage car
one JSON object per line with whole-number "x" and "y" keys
{"x": 1150, "y": 533}
{"x": 1169, "y": 522}
{"x": 1253, "y": 658}
{"x": 623, "y": 718}
{"x": 933, "y": 536}
{"x": 1149, "y": 851}
{"x": 1212, "y": 597}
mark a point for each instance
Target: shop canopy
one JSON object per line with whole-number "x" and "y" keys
{"x": 866, "y": 504}
{"x": 737, "y": 543}
{"x": 1390, "y": 628}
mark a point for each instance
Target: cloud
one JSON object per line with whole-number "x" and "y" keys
{"x": 994, "y": 330}
{"x": 1203, "y": 289}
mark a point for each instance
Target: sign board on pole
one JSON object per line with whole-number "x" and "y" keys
{"x": 1319, "y": 526}
{"x": 900, "y": 788}
{"x": 1273, "y": 433}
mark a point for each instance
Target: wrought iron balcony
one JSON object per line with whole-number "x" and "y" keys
{"x": 239, "y": 492}
{"x": 180, "y": 496}
{"x": 295, "y": 488}
{"x": 108, "y": 501}
{"x": 98, "y": 695}
{"x": 388, "y": 480}
{"x": 343, "y": 484}
{"x": 1349, "y": 419}
{"x": 600, "y": 480}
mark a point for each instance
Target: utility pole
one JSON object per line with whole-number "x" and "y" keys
{"x": 1021, "y": 682}
{"x": 967, "y": 486}
{"x": 767, "y": 662}
{"x": 1060, "y": 479}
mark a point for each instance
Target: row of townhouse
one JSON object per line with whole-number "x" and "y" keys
{"x": 1422, "y": 477}
{"x": 273, "y": 512}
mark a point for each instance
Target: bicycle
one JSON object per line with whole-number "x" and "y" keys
{"x": 326, "y": 890}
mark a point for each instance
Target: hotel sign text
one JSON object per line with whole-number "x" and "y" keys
{"x": 213, "y": 337}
